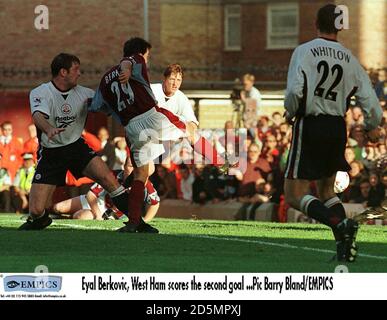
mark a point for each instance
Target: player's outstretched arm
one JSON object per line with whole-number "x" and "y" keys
{"x": 41, "y": 123}
{"x": 295, "y": 84}
{"x": 369, "y": 103}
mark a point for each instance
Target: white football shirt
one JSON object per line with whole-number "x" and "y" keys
{"x": 62, "y": 110}
{"x": 179, "y": 104}
{"x": 322, "y": 77}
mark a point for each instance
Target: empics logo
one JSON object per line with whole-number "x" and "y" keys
{"x": 33, "y": 283}
{"x": 13, "y": 284}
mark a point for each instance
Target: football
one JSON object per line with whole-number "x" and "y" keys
{"x": 341, "y": 181}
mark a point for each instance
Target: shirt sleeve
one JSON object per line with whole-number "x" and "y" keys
{"x": 185, "y": 109}
{"x": 295, "y": 84}
{"x": 98, "y": 104}
{"x": 255, "y": 94}
{"x": 368, "y": 100}
{"x": 40, "y": 101}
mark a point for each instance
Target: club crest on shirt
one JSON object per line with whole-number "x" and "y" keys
{"x": 66, "y": 109}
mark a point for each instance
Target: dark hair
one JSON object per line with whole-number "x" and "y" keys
{"x": 5, "y": 123}
{"x": 63, "y": 60}
{"x": 136, "y": 45}
{"x": 326, "y": 17}
{"x": 173, "y": 68}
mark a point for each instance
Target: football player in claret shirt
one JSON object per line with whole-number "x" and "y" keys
{"x": 145, "y": 123}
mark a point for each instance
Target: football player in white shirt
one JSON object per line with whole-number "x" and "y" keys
{"x": 59, "y": 110}
{"x": 322, "y": 77}
{"x": 169, "y": 96}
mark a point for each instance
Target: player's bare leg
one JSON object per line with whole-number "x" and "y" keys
{"x": 295, "y": 190}
{"x": 85, "y": 214}
{"x": 40, "y": 196}
{"x": 69, "y": 206}
{"x": 98, "y": 171}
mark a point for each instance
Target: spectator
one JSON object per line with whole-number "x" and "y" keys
{"x": 263, "y": 128}
{"x": 356, "y": 175}
{"x": 186, "y": 182}
{"x": 349, "y": 154}
{"x": 382, "y": 149}
{"x": 32, "y": 144}
{"x": 270, "y": 151}
{"x": 165, "y": 183}
{"x": 256, "y": 168}
{"x": 377, "y": 190}
{"x": 107, "y": 152}
{"x": 357, "y": 117}
{"x": 364, "y": 195}
{"x": 213, "y": 185}
{"x": 369, "y": 157}
{"x": 250, "y": 203}
{"x": 5, "y": 193}
{"x": 199, "y": 192}
{"x": 229, "y": 135}
{"x": 11, "y": 149}
{"x": 358, "y": 136}
{"x": 277, "y": 119}
{"x": 251, "y": 97}
{"x": 285, "y": 130}
{"x": 120, "y": 152}
{"x": 22, "y": 183}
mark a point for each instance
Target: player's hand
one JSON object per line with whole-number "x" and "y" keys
{"x": 374, "y": 135}
{"x": 53, "y": 132}
{"x": 89, "y": 101}
{"x": 287, "y": 117}
{"x": 124, "y": 76}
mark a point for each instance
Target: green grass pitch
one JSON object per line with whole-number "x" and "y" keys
{"x": 183, "y": 246}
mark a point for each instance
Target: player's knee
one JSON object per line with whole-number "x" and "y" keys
{"x": 56, "y": 208}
